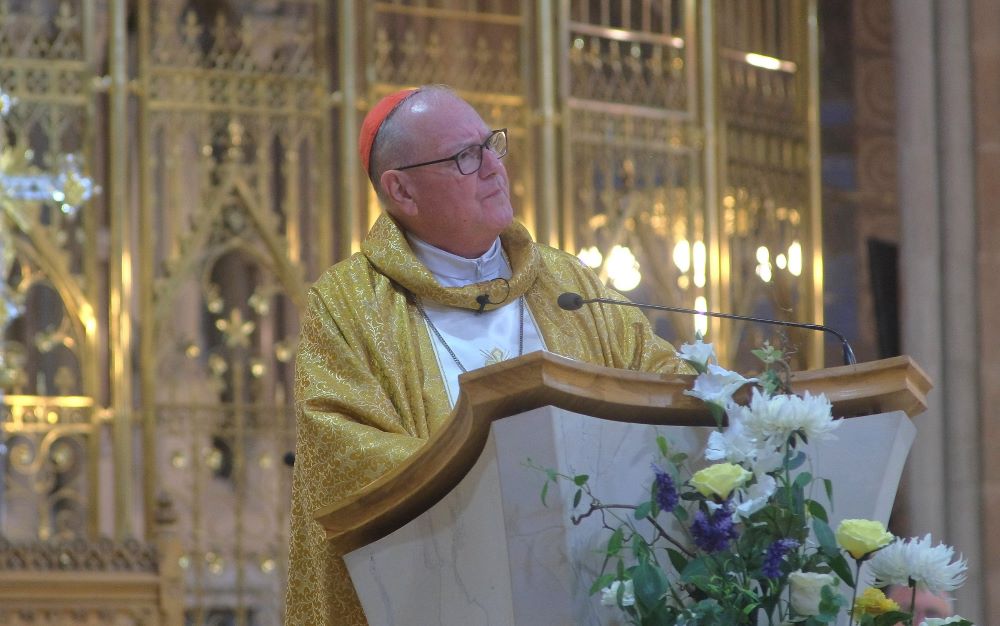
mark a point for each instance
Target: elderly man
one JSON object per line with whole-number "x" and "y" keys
{"x": 445, "y": 282}
{"x": 923, "y": 603}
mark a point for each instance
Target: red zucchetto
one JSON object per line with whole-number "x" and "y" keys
{"x": 373, "y": 122}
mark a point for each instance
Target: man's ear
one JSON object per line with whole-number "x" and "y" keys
{"x": 398, "y": 189}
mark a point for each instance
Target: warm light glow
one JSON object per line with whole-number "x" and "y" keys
{"x": 795, "y": 258}
{"x": 764, "y": 272}
{"x": 780, "y": 261}
{"x": 623, "y": 269}
{"x": 763, "y": 255}
{"x": 682, "y": 255}
{"x": 701, "y": 321}
{"x": 769, "y": 63}
{"x": 766, "y": 62}
{"x": 699, "y": 257}
{"x": 591, "y": 257}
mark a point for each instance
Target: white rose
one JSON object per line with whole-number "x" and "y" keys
{"x": 807, "y": 590}
{"x": 609, "y": 595}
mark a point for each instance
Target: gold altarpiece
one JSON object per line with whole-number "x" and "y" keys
{"x": 153, "y": 357}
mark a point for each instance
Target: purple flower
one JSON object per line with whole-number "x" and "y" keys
{"x": 664, "y": 490}
{"x": 775, "y": 554}
{"x": 713, "y": 533}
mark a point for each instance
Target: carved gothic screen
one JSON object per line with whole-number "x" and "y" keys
{"x": 233, "y": 185}
{"x": 150, "y": 324}
{"x": 51, "y": 361}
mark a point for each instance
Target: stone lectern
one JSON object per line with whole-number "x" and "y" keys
{"x": 459, "y": 533}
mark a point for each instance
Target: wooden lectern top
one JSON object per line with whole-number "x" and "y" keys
{"x": 546, "y": 379}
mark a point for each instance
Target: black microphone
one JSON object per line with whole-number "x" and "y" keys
{"x": 570, "y": 301}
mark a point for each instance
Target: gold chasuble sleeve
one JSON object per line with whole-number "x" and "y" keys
{"x": 366, "y": 398}
{"x": 369, "y": 390}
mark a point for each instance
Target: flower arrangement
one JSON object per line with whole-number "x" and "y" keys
{"x": 742, "y": 541}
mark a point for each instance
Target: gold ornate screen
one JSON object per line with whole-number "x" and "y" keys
{"x": 677, "y": 138}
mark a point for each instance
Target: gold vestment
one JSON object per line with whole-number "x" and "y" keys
{"x": 369, "y": 391}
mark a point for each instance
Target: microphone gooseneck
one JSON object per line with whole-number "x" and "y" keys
{"x": 570, "y": 301}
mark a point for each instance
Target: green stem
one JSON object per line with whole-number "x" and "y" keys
{"x": 913, "y": 602}
{"x": 854, "y": 594}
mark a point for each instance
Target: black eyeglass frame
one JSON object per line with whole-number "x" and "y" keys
{"x": 454, "y": 157}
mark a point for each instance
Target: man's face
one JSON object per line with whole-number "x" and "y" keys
{"x": 461, "y": 213}
{"x": 925, "y": 605}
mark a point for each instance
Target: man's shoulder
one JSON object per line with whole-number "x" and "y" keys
{"x": 556, "y": 256}
{"x": 349, "y": 278}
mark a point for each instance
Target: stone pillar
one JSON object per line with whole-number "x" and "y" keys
{"x": 985, "y": 37}
{"x": 939, "y": 289}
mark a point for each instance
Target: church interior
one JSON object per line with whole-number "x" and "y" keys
{"x": 175, "y": 174}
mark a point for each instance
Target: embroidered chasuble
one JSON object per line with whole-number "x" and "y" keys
{"x": 369, "y": 386}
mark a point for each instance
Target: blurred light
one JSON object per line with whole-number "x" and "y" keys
{"x": 764, "y": 272}
{"x": 591, "y": 257}
{"x": 623, "y": 269}
{"x": 699, "y": 257}
{"x": 701, "y": 321}
{"x": 795, "y": 258}
{"x": 769, "y": 63}
{"x": 763, "y": 255}
{"x": 682, "y": 255}
{"x": 780, "y": 261}
{"x": 766, "y": 62}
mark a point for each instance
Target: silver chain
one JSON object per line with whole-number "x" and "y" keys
{"x": 430, "y": 324}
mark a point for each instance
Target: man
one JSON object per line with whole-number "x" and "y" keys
{"x": 925, "y": 604}
{"x": 445, "y": 282}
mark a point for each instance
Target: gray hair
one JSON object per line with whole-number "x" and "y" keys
{"x": 393, "y": 140}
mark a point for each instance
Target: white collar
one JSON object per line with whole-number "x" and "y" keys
{"x": 452, "y": 270}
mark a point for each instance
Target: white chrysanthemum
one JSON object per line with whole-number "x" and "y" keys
{"x": 775, "y": 418}
{"x": 736, "y": 445}
{"x": 942, "y": 621}
{"x": 717, "y": 385}
{"x": 931, "y": 567}
{"x": 698, "y": 353}
{"x": 733, "y": 444}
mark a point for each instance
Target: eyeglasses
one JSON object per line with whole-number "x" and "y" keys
{"x": 470, "y": 159}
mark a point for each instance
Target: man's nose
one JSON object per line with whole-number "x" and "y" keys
{"x": 491, "y": 163}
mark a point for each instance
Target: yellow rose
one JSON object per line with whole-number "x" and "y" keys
{"x": 873, "y": 602}
{"x": 861, "y": 537}
{"x": 719, "y": 479}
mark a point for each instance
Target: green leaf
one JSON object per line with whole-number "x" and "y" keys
{"x": 545, "y": 492}
{"x": 825, "y": 537}
{"x": 678, "y": 458}
{"x": 649, "y": 584}
{"x": 602, "y": 581}
{"x": 642, "y": 511}
{"x": 695, "y": 568}
{"x": 581, "y": 479}
{"x": 678, "y": 560}
{"x": 830, "y": 604}
{"x": 661, "y": 442}
{"x": 891, "y": 618}
{"x": 615, "y": 542}
{"x": 828, "y": 485}
{"x": 576, "y": 498}
{"x": 796, "y": 461}
{"x": 803, "y": 479}
{"x": 681, "y": 514}
{"x": 839, "y": 565}
{"x": 816, "y": 510}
